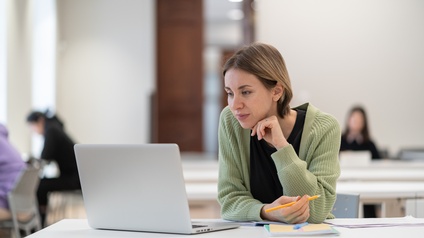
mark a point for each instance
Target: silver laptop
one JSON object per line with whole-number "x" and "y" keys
{"x": 137, "y": 188}
{"x": 357, "y": 158}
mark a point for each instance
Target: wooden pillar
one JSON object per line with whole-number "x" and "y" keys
{"x": 179, "y": 97}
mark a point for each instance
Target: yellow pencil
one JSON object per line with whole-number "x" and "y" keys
{"x": 289, "y": 204}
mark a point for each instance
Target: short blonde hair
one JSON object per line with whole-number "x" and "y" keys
{"x": 266, "y": 63}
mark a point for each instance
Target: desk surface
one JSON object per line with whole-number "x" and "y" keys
{"x": 79, "y": 228}
{"x": 377, "y": 170}
{"x": 367, "y": 190}
{"x": 389, "y": 174}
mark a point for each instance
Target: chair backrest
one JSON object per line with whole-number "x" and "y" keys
{"x": 411, "y": 154}
{"x": 346, "y": 206}
{"x": 23, "y": 195}
{"x": 23, "y": 202}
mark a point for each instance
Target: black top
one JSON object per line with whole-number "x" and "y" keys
{"x": 58, "y": 146}
{"x": 368, "y": 145}
{"x": 264, "y": 182}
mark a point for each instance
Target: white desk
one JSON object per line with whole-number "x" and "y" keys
{"x": 390, "y": 164}
{"x": 391, "y": 195}
{"x": 378, "y": 174}
{"x": 377, "y": 170}
{"x": 367, "y": 190}
{"x": 79, "y": 228}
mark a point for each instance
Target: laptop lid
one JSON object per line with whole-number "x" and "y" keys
{"x": 135, "y": 187}
{"x": 352, "y": 158}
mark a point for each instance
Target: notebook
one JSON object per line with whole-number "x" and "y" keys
{"x": 301, "y": 230}
{"x": 137, "y": 188}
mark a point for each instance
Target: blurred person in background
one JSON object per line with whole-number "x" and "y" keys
{"x": 11, "y": 165}
{"x": 58, "y": 147}
{"x": 356, "y": 137}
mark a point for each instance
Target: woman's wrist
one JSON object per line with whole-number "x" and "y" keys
{"x": 264, "y": 215}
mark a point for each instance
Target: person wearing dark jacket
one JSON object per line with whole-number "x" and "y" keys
{"x": 356, "y": 137}
{"x": 58, "y": 147}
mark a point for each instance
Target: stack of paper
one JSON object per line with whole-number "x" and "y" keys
{"x": 376, "y": 222}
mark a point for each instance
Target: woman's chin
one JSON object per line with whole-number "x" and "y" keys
{"x": 245, "y": 125}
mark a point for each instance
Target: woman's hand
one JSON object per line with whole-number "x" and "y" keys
{"x": 269, "y": 129}
{"x": 297, "y": 213}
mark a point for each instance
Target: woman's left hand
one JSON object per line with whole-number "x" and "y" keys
{"x": 297, "y": 213}
{"x": 269, "y": 129}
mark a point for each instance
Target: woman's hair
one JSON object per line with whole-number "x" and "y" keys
{"x": 365, "y": 131}
{"x": 35, "y": 116}
{"x": 266, "y": 63}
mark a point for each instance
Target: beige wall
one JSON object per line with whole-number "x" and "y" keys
{"x": 341, "y": 53}
{"x": 19, "y": 32}
{"x": 106, "y": 69}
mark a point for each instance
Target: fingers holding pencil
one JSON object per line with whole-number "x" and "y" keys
{"x": 290, "y": 204}
{"x": 295, "y": 209}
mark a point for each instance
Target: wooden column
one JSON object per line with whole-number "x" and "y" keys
{"x": 179, "y": 97}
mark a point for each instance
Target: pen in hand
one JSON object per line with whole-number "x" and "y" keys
{"x": 289, "y": 204}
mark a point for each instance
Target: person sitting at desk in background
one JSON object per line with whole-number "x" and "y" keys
{"x": 356, "y": 137}
{"x": 269, "y": 153}
{"x": 11, "y": 166}
{"x": 58, "y": 146}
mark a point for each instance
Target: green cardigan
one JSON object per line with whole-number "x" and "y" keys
{"x": 314, "y": 171}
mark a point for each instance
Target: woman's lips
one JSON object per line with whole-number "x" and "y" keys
{"x": 241, "y": 117}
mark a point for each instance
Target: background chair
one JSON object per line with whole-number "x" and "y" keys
{"x": 346, "y": 206}
{"x": 23, "y": 203}
{"x": 411, "y": 154}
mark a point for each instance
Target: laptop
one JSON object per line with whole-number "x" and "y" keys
{"x": 137, "y": 188}
{"x": 357, "y": 158}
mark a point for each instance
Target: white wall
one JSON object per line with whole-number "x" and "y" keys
{"x": 3, "y": 74}
{"x": 341, "y": 53}
{"x": 106, "y": 69}
{"x": 18, "y": 40}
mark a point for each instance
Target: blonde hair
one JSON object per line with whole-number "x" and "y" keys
{"x": 266, "y": 63}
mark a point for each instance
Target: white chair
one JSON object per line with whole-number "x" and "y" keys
{"x": 346, "y": 206}
{"x": 23, "y": 204}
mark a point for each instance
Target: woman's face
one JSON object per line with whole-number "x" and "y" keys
{"x": 356, "y": 122}
{"x": 249, "y": 100}
{"x": 37, "y": 127}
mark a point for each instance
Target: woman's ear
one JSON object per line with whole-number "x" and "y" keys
{"x": 277, "y": 92}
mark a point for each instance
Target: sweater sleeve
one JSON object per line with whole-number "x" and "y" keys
{"x": 315, "y": 173}
{"x": 234, "y": 196}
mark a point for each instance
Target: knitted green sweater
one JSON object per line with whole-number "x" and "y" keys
{"x": 314, "y": 171}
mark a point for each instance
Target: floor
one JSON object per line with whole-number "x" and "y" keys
{"x": 71, "y": 205}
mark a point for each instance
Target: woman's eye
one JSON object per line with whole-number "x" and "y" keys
{"x": 229, "y": 94}
{"x": 245, "y": 92}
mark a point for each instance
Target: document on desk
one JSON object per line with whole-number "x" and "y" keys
{"x": 375, "y": 222}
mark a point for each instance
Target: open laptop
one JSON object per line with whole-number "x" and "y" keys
{"x": 137, "y": 188}
{"x": 357, "y": 158}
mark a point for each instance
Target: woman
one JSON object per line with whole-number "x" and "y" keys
{"x": 58, "y": 146}
{"x": 11, "y": 166}
{"x": 269, "y": 153}
{"x": 356, "y": 135}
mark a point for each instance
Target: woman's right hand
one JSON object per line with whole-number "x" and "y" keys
{"x": 297, "y": 213}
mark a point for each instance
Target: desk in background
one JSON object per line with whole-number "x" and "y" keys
{"x": 391, "y": 195}
{"x": 376, "y": 170}
{"x": 79, "y": 228}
